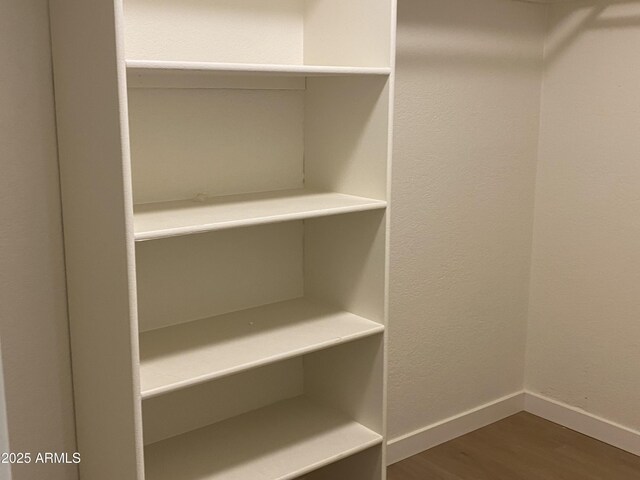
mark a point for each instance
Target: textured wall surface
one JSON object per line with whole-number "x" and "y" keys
{"x": 466, "y": 133}
{"x": 33, "y": 320}
{"x": 584, "y": 333}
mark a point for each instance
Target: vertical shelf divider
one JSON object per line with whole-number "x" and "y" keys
{"x": 93, "y": 148}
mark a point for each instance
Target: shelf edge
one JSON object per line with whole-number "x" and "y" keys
{"x": 140, "y": 67}
{"x": 205, "y": 228}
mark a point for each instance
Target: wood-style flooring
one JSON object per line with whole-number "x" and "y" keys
{"x": 521, "y": 447}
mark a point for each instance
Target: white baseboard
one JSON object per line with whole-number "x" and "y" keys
{"x": 576, "y": 419}
{"x": 583, "y": 422}
{"x": 427, "y": 437}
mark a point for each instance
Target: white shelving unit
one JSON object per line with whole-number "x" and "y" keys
{"x": 225, "y": 169}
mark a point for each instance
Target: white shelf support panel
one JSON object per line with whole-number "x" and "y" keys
{"x": 279, "y": 442}
{"x": 186, "y": 217}
{"x": 93, "y": 150}
{"x": 190, "y": 353}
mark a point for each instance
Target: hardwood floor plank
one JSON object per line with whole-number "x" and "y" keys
{"x": 521, "y": 447}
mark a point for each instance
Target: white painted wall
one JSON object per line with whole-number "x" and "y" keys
{"x": 584, "y": 330}
{"x": 466, "y": 133}
{"x": 33, "y": 321}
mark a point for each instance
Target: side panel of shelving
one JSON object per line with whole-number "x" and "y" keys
{"x": 345, "y": 262}
{"x": 393, "y": 4}
{"x": 348, "y": 378}
{"x": 90, "y": 92}
{"x": 346, "y": 135}
{"x": 336, "y": 33}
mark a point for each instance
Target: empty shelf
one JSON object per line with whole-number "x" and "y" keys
{"x": 191, "y": 353}
{"x": 184, "y": 217}
{"x": 144, "y": 67}
{"x": 279, "y": 442}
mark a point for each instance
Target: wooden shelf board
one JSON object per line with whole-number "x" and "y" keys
{"x": 145, "y": 67}
{"x": 278, "y": 442}
{"x": 190, "y": 353}
{"x": 185, "y": 217}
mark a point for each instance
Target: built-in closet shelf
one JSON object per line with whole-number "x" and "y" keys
{"x": 136, "y": 68}
{"x": 171, "y": 74}
{"x": 194, "y": 352}
{"x": 185, "y": 217}
{"x": 174, "y": 118}
{"x": 279, "y": 442}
